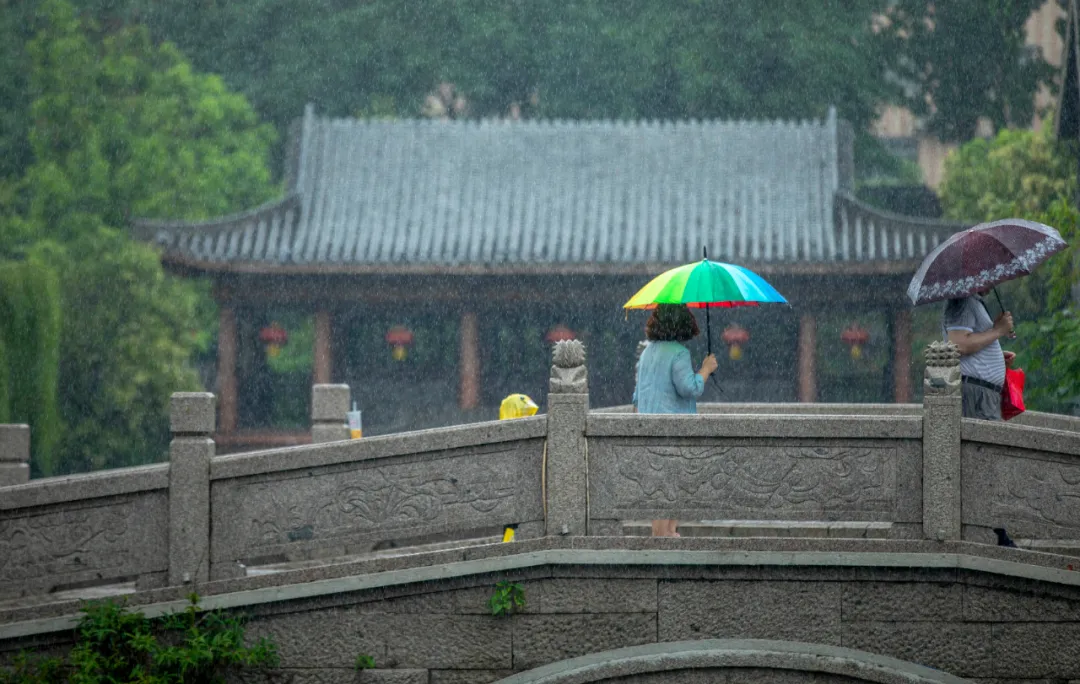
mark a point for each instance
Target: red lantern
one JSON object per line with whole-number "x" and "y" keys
{"x": 560, "y": 333}
{"x": 399, "y": 338}
{"x": 855, "y": 337}
{"x": 274, "y": 337}
{"x": 735, "y": 336}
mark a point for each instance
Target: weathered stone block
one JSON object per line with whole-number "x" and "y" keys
{"x": 321, "y": 433}
{"x": 964, "y": 650}
{"x": 14, "y": 443}
{"x": 566, "y": 467}
{"x": 341, "y": 504}
{"x": 334, "y": 637}
{"x": 467, "y": 676}
{"x": 798, "y": 611}
{"x": 329, "y": 402}
{"x": 1030, "y": 493}
{"x": 192, "y": 413}
{"x": 563, "y": 595}
{"x": 470, "y": 601}
{"x": 641, "y": 479}
{"x": 902, "y": 602}
{"x": 81, "y": 541}
{"x": 337, "y": 675}
{"x": 1036, "y": 650}
{"x": 982, "y": 604}
{"x": 941, "y": 466}
{"x": 14, "y": 473}
{"x": 384, "y": 676}
{"x": 189, "y": 509}
{"x": 541, "y": 639}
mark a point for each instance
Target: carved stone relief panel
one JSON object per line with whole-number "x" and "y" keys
{"x": 630, "y": 481}
{"x": 265, "y": 515}
{"x": 118, "y": 536}
{"x": 1030, "y": 493}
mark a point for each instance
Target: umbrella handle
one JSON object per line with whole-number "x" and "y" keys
{"x": 1012, "y": 336}
{"x": 709, "y": 329}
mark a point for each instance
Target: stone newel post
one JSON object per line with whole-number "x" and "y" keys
{"x": 568, "y": 404}
{"x": 329, "y": 413}
{"x": 941, "y": 442}
{"x": 14, "y": 454}
{"x": 191, "y": 415}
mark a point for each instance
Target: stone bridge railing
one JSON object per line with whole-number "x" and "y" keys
{"x": 905, "y": 471}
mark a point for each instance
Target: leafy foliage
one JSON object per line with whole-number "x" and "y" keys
{"x": 1052, "y": 352}
{"x": 29, "y": 356}
{"x": 509, "y": 598}
{"x": 632, "y": 58}
{"x": 121, "y": 128}
{"x": 129, "y": 330}
{"x": 115, "y": 644}
{"x": 1026, "y": 174}
{"x": 1017, "y": 173}
{"x": 962, "y": 60}
{"x": 364, "y": 662}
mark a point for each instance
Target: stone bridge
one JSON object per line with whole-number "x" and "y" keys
{"x": 830, "y": 543}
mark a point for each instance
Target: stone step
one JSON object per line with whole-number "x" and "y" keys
{"x": 273, "y": 568}
{"x": 769, "y": 528}
{"x": 1061, "y": 547}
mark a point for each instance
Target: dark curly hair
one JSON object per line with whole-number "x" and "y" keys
{"x": 671, "y": 322}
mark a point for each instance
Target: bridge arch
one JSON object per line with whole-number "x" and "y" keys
{"x": 762, "y": 661}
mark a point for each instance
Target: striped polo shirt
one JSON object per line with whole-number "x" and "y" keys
{"x": 970, "y": 314}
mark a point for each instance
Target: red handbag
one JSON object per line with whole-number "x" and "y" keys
{"x": 1012, "y": 394}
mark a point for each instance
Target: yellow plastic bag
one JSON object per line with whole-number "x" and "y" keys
{"x": 517, "y": 406}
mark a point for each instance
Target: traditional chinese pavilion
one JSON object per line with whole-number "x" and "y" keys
{"x": 431, "y": 264}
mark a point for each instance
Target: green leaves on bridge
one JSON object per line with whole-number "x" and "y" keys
{"x": 114, "y": 644}
{"x": 509, "y": 598}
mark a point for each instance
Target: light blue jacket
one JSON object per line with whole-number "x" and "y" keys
{"x": 666, "y": 381}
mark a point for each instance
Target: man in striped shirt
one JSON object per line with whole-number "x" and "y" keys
{"x": 968, "y": 325}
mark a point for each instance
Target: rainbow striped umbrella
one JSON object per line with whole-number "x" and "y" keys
{"x": 706, "y": 284}
{"x": 703, "y": 285}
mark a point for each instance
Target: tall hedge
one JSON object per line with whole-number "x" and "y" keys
{"x": 30, "y": 356}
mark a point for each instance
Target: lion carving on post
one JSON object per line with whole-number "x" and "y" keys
{"x": 568, "y": 373}
{"x": 942, "y": 374}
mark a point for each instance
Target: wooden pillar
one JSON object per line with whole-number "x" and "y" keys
{"x": 226, "y": 373}
{"x": 470, "y": 361}
{"x": 324, "y": 362}
{"x": 807, "y": 359}
{"x": 902, "y": 355}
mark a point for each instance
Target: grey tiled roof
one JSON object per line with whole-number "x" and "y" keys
{"x": 506, "y": 193}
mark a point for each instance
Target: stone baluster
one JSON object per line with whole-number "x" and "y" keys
{"x": 14, "y": 454}
{"x": 941, "y": 442}
{"x": 568, "y": 406}
{"x": 191, "y": 415}
{"x": 329, "y": 413}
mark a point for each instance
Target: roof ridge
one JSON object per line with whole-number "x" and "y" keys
{"x": 560, "y": 122}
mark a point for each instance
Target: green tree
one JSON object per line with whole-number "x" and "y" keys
{"x": 556, "y": 59}
{"x": 1027, "y": 174}
{"x": 29, "y": 356}
{"x": 122, "y": 127}
{"x": 116, "y": 644}
{"x": 962, "y": 60}
{"x": 1018, "y": 172}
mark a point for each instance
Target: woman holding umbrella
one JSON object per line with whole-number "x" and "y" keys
{"x": 964, "y": 269}
{"x": 666, "y": 381}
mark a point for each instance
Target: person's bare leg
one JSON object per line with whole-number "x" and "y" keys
{"x": 665, "y": 528}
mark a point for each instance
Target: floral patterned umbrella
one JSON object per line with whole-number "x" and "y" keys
{"x": 981, "y": 257}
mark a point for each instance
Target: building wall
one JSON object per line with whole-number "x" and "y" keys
{"x": 899, "y": 122}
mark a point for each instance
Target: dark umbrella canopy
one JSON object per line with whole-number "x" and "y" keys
{"x": 981, "y": 257}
